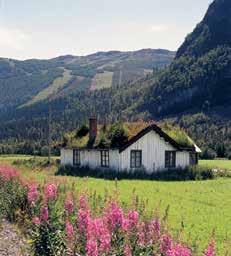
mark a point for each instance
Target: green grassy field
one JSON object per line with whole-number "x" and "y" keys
{"x": 196, "y": 208}
{"x": 219, "y": 164}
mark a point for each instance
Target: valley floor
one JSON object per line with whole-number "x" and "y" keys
{"x": 195, "y": 209}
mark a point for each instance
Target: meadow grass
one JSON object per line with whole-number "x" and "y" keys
{"x": 196, "y": 208}
{"x": 224, "y": 164}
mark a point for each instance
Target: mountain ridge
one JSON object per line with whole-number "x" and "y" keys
{"x": 22, "y": 82}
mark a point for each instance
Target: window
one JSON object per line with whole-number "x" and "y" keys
{"x": 193, "y": 158}
{"x": 76, "y": 157}
{"x": 136, "y": 158}
{"x": 170, "y": 159}
{"x": 105, "y": 158}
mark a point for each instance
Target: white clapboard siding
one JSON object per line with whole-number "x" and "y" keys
{"x": 153, "y": 153}
{"x": 66, "y": 156}
{"x": 182, "y": 159}
{"x": 91, "y": 158}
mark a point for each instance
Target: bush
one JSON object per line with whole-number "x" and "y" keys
{"x": 117, "y": 134}
{"x": 83, "y": 131}
{"x": 208, "y": 154}
{"x": 13, "y": 196}
{"x": 189, "y": 173}
{"x": 44, "y": 151}
{"x": 33, "y": 162}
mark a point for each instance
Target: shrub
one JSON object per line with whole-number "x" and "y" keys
{"x": 117, "y": 134}
{"x": 33, "y": 162}
{"x": 189, "y": 173}
{"x": 13, "y": 196}
{"x": 208, "y": 154}
{"x": 83, "y": 131}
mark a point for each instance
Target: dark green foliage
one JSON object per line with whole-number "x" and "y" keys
{"x": 34, "y": 162}
{"x": 13, "y": 197}
{"x": 193, "y": 84}
{"x": 103, "y": 141}
{"x": 49, "y": 240}
{"x": 19, "y": 87}
{"x": 208, "y": 154}
{"x": 189, "y": 173}
{"x": 214, "y": 30}
{"x": 86, "y": 71}
{"x": 211, "y": 133}
{"x": 118, "y": 135}
{"x": 82, "y": 131}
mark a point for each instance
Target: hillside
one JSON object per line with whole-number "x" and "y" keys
{"x": 31, "y": 81}
{"x": 200, "y": 75}
{"x": 213, "y": 31}
{"x": 193, "y": 91}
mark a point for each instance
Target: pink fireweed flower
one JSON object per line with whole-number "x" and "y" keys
{"x": 179, "y": 250}
{"x": 210, "y": 251}
{"x": 127, "y": 250}
{"x": 114, "y": 216}
{"x": 133, "y": 217}
{"x": 131, "y": 222}
{"x": 69, "y": 206}
{"x": 93, "y": 228}
{"x": 50, "y": 192}
{"x": 83, "y": 218}
{"x": 33, "y": 193}
{"x": 44, "y": 214}
{"x": 92, "y": 248}
{"x": 83, "y": 203}
{"x": 69, "y": 229}
{"x": 7, "y": 173}
{"x": 125, "y": 224}
{"x": 166, "y": 244}
{"x": 154, "y": 229}
{"x": 36, "y": 221}
{"x": 141, "y": 234}
{"x": 105, "y": 240}
{"x": 97, "y": 230}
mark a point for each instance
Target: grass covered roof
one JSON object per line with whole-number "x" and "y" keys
{"x": 119, "y": 134}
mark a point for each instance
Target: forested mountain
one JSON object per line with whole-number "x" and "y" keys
{"x": 200, "y": 75}
{"x": 194, "y": 92}
{"x": 24, "y": 83}
{"x": 212, "y": 32}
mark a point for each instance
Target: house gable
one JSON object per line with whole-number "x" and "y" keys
{"x": 152, "y": 148}
{"x": 161, "y": 133}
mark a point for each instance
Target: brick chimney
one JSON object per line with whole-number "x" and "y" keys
{"x": 92, "y": 128}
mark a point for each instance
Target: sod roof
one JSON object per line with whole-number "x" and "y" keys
{"x": 121, "y": 135}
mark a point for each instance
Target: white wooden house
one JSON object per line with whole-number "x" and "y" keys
{"x": 150, "y": 149}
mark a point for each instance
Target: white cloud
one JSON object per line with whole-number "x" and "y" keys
{"x": 12, "y": 38}
{"x": 159, "y": 28}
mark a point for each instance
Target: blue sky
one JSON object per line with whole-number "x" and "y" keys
{"x": 48, "y": 28}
